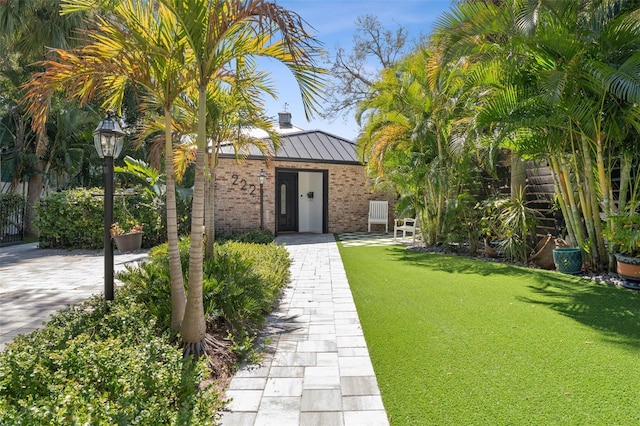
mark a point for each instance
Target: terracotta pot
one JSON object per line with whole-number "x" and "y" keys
{"x": 128, "y": 242}
{"x": 628, "y": 267}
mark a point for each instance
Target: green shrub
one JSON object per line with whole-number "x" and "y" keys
{"x": 241, "y": 283}
{"x": 150, "y": 283}
{"x": 270, "y": 261}
{"x": 71, "y": 219}
{"x": 94, "y": 364}
{"x": 232, "y": 290}
{"x": 257, "y": 236}
{"x": 75, "y": 218}
{"x": 512, "y": 223}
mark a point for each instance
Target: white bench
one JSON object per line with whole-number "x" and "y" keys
{"x": 379, "y": 214}
{"x": 408, "y": 224}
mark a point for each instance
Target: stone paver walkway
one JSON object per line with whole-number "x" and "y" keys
{"x": 317, "y": 369}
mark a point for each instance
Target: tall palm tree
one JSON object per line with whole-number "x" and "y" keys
{"x": 133, "y": 43}
{"x": 219, "y": 34}
{"x": 168, "y": 48}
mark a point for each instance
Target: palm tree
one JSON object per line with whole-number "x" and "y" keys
{"x": 408, "y": 116}
{"x": 567, "y": 92}
{"x": 27, "y": 28}
{"x": 218, "y": 35}
{"x": 138, "y": 44}
{"x": 173, "y": 49}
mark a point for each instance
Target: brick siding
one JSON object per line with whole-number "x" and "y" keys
{"x": 237, "y": 205}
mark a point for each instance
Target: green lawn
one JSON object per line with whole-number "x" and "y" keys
{"x": 458, "y": 341}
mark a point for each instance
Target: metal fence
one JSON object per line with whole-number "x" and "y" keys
{"x": 11, "y": 225}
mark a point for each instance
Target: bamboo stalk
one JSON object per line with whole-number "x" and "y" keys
{"x": 562, "y": 199}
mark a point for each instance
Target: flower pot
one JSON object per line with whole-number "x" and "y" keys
{"x": 128, "y": 242}
{"x": 628, "y": 267}
{"x": 568, "y": 260}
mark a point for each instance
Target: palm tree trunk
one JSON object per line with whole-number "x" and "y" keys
{"x": 518, "y": 175}
{"x": 586, "y": 193}
{"x": 34, "y": 191}
{"x": 597, "y": 241}
{"x": 194, "y": 324}
{"x": 210, "y": 227}
{"x": 625, "y": 180}
{"x": 178, "y": 298}
{"x": 562, "y": 201}
{"x": 605, "y": 186}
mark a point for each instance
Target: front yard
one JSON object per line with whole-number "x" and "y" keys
{"x": 455, "y": 340}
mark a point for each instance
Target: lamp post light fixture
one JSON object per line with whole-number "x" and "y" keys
{"x": 261, "y": 177}
{"x": 107, "y": 138}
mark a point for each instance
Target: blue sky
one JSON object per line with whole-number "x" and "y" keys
{"x": 334, "y": 23}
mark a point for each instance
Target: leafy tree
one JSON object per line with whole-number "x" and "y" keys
{"x": 27, "y": 29}
{"x": 353, "y": 73}
{"x": 560, "y": 82}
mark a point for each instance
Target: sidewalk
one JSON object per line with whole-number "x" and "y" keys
{"x": 34, "y": 283}
{"x": 317, "y": 370}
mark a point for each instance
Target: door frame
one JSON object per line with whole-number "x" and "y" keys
{"x": 325, "y": 195}
{"x": 292, "y": 201}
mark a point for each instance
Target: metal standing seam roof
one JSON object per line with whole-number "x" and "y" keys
{"x": 307, "y": 146}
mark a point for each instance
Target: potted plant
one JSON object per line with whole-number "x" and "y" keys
{"x": 127, "y": 241}
{"x": 568, "y": 260}
{"x": 624, "y": 234}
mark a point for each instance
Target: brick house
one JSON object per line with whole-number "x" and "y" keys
{"x": 314, "y": 183}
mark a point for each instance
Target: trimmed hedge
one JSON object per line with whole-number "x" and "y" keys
{"x": 75, "y": 218}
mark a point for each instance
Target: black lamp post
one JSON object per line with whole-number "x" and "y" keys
{"x": 261, "y": 177}
{"x": 107, "y": 138}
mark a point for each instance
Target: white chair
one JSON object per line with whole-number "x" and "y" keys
{"x": 379, "y": 214}
{"x": 408, "y": 224}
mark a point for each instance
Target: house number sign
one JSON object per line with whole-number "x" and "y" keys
{"x": 243, "y": 184}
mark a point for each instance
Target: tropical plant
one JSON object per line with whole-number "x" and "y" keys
{"x": 624, "y": 233}
{"x": 559, "y": 81}
{"x": 408, "y": 120}
{"x": 197, "y": 45}
{"x": 27, "y": 29}
{"x": 219, "y": 35}
{"x": 517, "y": 226}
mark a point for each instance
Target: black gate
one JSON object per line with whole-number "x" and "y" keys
{"x": 11, "y": 222}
